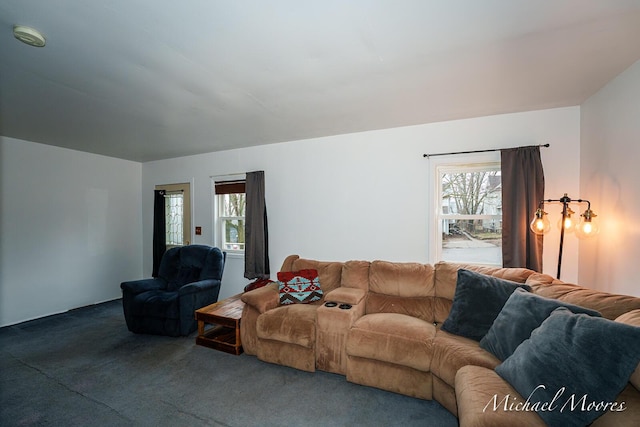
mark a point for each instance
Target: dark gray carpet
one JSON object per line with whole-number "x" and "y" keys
{"x": 84, "y": 368}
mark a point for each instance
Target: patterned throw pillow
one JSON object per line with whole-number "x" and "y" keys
{"x": 299, "y": 287}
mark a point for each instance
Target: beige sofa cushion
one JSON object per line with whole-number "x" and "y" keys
{"x": 329, "y": 273}
{"x": 476, "y": 387}
{"x": 403, "y": 279}
{"x": 351, "y": 296}
{"x": 420, "y": 308}
{"x": 403, "y": 288}
{"x": 452, "y": 352}
{"x": 393, "y": 338}
{"x": 262, "y": 299}
{"x": 294, "y": 324}
{"x": 630, "y": 417}
{"x": 446, "y": 276}
{"x": 609, "y": 305}
{"x": 632, "y": 318}
{"x": 355, "y": 274}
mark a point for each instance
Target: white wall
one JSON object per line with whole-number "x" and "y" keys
{"x": 610, "y": 172}
{"x": 70, "y": 228}
{"x": 364, "y": 195}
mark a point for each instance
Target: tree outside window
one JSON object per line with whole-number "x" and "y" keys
{"x": 231, "y": 216}
{"x": 470, "y": 214}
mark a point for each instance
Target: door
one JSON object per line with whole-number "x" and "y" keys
{"x": 177, "y": 214}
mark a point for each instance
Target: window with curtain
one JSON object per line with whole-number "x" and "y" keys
{"x": 467, "y": 206}
{"x": 230, "y": 211}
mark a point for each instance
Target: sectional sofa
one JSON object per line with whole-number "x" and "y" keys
{"x": 417, "y": 329}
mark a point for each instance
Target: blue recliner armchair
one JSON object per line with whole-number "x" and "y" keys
{"x": 189, "y": 278}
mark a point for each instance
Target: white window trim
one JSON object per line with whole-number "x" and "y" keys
{"x": 216, "y": 227}
{"x": 436, "y": 166}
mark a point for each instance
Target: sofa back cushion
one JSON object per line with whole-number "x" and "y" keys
{"x": 405, "y": 288}
{"x": 329, "y": 273}
{"x": 609, "y": 305}
{"x": 403, "y": 279}
{"x": 187, "y": 264}
{"x": 355, "y": 274}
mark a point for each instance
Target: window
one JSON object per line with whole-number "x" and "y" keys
{"x": 174, "y": 211}
{"x": 177, "y": 214}
{"x": 468, "y": 213}
{"x": 230, "y": 207}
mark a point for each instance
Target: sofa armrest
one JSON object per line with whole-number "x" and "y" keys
{"x": 199, "y": 286}
{"x": 344, "y": 295}
{"x": 476, "y": 387}
{"x": 481, "y": 396}
{"x": 138, "y": 286}
{"x": 262, "y": 299}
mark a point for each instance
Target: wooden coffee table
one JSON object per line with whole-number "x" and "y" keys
{"x": 225, "y": 317}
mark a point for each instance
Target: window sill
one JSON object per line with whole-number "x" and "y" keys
{"x": 233, "y": 254}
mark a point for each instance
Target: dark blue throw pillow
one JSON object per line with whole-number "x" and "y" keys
{"x": 522, "y": 313}
{"x": 573, "y": 367}
{"x": 477, "y": 302}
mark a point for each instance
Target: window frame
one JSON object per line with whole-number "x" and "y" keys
{"x": 218, "y": 220}
{"x": 437, "y": 166}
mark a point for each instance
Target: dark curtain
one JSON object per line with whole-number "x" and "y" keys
{"x": 522, "y": 191}
{"x": 256, "y": 251}
{"x": 159, "y": 237}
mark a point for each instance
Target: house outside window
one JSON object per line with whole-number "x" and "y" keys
{"x": 467, "y": 201}
{"x": 230, "y": 208}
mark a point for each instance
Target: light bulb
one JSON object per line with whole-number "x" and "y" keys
{"x": 588, "y": 225}
{"x": 569, "y": 223}
{"x": 540, "y": 223}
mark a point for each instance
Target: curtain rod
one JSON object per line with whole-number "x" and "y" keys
{"x": 481, "y": 151}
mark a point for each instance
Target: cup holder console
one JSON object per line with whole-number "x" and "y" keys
{"x": 334, "y": 304}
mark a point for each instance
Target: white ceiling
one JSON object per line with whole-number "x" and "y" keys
{"x": 153, "y": 79}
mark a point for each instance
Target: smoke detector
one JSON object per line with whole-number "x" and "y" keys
{"x": 28, "y": 35}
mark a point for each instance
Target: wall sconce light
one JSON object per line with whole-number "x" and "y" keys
{"x": 586, "y": 227}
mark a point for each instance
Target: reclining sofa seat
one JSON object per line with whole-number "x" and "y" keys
{"x": 451, "y": 352}
{"x": 298, "y": 335}
{"x": 286, "y": 334}
{"x": 390, "y": 346}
